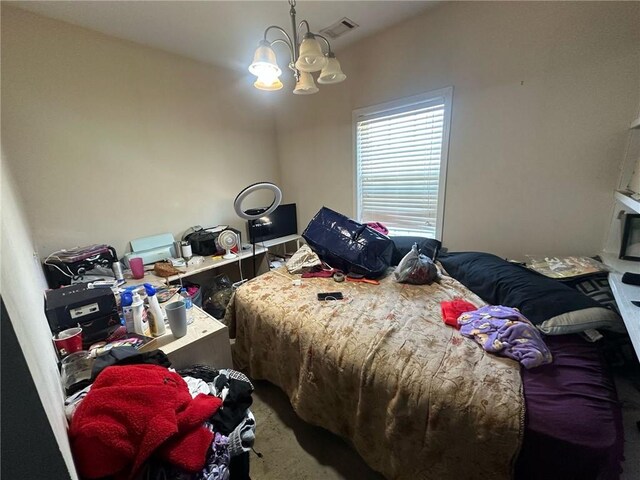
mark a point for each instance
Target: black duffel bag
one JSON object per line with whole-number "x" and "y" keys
{"x": 204, "y": 241}
{"x": 348, "y": 245}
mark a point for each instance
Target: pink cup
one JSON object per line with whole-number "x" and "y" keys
{"x": 68, "y": 341}
{"x": 137, "y": 267}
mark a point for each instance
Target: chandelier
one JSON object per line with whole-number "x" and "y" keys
{"x": 306, "y": 57}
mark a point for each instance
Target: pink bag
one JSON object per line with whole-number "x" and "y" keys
{"x": 378, "y": 227}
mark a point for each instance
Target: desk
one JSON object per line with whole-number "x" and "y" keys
{"x": 216, "y": 262}
{"x": 206, "y": 342}
{"x": 209, "y": 263}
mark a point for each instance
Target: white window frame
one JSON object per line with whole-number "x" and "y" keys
{"x": 443, "y": 95}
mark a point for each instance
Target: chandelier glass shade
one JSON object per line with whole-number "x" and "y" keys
{"x": 331, "y": 73}
{"x": 306, "y": 56}
{"x": 305, "y": 85}
{"x": 311, "y": 58}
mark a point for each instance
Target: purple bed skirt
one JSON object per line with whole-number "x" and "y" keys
{"x": 573, "y": 421}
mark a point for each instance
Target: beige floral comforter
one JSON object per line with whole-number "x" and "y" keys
{"x": 416, "y": 399}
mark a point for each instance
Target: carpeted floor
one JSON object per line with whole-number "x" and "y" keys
{"x": 293, "y": 449}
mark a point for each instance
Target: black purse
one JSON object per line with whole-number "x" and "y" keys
{"x": 204, "y": 241}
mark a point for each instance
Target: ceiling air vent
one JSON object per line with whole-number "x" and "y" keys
{"x": 339, "y": 28}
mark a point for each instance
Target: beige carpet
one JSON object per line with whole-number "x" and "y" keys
{"x": 293, "y": 449}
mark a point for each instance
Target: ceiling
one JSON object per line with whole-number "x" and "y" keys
{"x": 223, "y": 33}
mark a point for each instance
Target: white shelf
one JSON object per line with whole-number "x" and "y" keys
{"x": 611, "y": 259}
{"x": 629, "y": 202}
{"x": 214, "y": 262}
{"x": 280, "y": 241}
{"x": 624, "y": 293}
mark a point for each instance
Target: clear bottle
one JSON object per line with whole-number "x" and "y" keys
{"x": 188, "y": 303}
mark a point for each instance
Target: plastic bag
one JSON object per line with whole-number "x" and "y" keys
{"x": 416, "y": 268}
{"x": 217, "y": 296}
{"x": 303, "y": 260}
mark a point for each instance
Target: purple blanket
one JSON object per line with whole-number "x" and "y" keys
{"x": 505, "y": 331}
{"x": 574, "y": 421}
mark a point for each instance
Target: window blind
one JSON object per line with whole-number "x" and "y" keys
{"x": 399, "y": 158}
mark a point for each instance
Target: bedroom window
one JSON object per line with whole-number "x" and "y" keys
{"x": 401, "y": 163}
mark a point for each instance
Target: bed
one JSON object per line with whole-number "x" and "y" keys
{"x": 415, "y": 398}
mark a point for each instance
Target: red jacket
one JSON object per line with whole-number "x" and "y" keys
{"x": 132, "y": 412}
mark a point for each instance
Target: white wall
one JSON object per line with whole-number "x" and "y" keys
{"x": 22, "y": 286}
{"x": 104, "y": 141}
{"x": 112, "y": 141}
{"x": 544, "y": 94}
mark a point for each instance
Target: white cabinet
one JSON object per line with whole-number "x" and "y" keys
{"x": 206, "y": 342}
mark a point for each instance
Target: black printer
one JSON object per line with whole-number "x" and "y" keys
{"x": 93, "y": 309}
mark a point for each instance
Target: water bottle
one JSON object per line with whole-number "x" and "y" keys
{"x": 188, "y": 303}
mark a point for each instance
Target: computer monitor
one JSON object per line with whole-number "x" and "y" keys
{"x": 282, "y": 222}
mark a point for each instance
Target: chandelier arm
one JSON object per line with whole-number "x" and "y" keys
{"x": 325, "y": 40}
{"x": 288, "y": 42}
{"x": 306, "y": 24}
{"x": 282, "y": 40}
{"x": 281, "y": 30}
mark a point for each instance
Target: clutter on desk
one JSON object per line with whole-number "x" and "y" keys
{"x": 204, "y": 241}
{"x": 165, "y": 294}
{"x": 177, "y": 262}
{"x": 177, "y": 318}
{"x": 188, "y": 303}
{"x": 156, "y": 320}
{"x": 91, "y": 309}
{"x": 195, "y": 261}
{"x": 185, "y": 250}
{"x": 76, "y": 371}
{"x": 68, "y": 341}
{"x": 105, "y": 283}
{"x": 140, "y": 318}
{"x": 132, "y": 340}
{"x": 136, "y": 265}
{"x": 65, "y": 267}
{"x": 165, "y": 269}
{"x": 152, "y": 249}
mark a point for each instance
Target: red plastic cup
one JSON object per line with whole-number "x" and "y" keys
{"x": 137, "y": 267}
{"x": 68, "y": 341}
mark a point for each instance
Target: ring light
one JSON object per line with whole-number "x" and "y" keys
{"x": 237, "y": 203}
